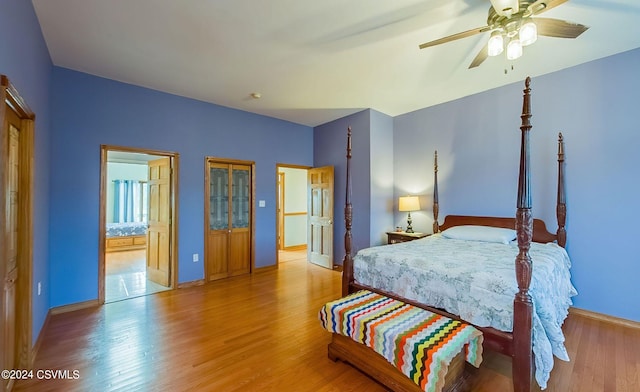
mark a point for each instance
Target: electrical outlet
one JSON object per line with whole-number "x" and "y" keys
{"x": 39, "y": 288}
{"x": 261, "y": 203}
{"x": 196, "y": 257}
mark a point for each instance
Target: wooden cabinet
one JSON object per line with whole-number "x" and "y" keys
{"x": 394, "y": 237}
{"x": 229, "y": 218}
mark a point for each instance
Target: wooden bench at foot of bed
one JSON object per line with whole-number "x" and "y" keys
{"x": 375, "y": 366}
{"x": 401, "y": 346}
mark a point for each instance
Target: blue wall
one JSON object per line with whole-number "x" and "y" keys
{"x": 381, "y": 174}
{"x": 477, "y": 138}
{"x": 329, "y": 149}
{"x": 25, "y": 61}
{"x": 88, "y": 111}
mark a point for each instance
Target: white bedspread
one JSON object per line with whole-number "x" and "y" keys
{"x": 476, "y": 280}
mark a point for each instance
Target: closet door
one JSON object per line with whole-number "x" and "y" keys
{"x": 240, "y": 234}
{"x": 230, "y": 213}
{"x": 218, "y": 232}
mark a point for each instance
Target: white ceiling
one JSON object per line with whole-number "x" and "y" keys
{"x": 314, "y": 61}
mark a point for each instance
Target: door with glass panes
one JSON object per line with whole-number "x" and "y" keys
{"x": 229, "y": 218}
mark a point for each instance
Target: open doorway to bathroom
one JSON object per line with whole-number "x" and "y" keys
{"x": 137, "y": 203}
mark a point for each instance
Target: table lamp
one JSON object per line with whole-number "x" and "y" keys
{"x": 408, "y": 204}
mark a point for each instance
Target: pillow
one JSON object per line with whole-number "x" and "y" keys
{"x": 480, "y": 233}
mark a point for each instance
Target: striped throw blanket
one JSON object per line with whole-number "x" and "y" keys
{"x": 419, "y": 343}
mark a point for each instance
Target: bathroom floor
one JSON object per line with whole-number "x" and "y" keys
{"x": 126, "y": 276}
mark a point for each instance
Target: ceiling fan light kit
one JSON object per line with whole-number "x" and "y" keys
{"x": 515, "y": 23}
{"x": 528, "y": 32}
{"x": 496, "y": 44}
{"x": 514, "y": 49}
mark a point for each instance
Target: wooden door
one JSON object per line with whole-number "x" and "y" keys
{"x": 320, "y": 216}
{"x": 16, "y": 229}
{"x": 159, "y": 222}
{"x": 218, "y": 215}
{"x": 229, "y": 211}
{"x": 11, "y": 235}
{"x": 240, "y": 235}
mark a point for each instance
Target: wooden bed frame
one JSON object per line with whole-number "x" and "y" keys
{"x": 517, "y": 344}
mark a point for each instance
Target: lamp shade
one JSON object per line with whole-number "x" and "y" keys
{"x": 496, "y": 44}
{"x": 514, "y": 49}
{"x": 409, "y": 203}
{"x": 528, "y": 33}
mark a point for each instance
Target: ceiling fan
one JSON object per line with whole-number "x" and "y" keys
{"x": 515, "y": 23}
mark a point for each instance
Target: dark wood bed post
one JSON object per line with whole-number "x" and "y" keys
{"x": 561, "y": 206}
{"x": 347, "y": 262}
{"x": 436, "y": 207}
{"x": 522, "y": 305}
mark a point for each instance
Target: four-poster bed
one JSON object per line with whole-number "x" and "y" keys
{"x": 514, "y": 340}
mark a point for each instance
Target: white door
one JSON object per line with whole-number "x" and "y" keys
{"x": 320, "y": 216}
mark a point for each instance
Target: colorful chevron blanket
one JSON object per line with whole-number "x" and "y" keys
{"x": 419, "y": 343}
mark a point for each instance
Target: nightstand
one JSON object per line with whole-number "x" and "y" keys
{"x": 394, "y": 237}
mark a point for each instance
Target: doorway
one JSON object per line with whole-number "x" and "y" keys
{"x": 292, "y": 208}
{"x": 16, "y": 220}
{"x": 137, "y": 230}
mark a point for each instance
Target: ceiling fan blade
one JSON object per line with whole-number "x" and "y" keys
{"x": 541, "y": 6}
{"x": 454, "y": 37}
{"x": 481, "y": 57}
{"x": 559, "y": 28}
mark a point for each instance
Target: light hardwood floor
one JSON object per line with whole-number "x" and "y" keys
{"x": 261, "y": 333}
{"x": 285, "y": 256}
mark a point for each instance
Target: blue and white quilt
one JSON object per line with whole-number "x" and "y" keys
{"x": 476, "y": 280}
{"x": 125, "y": 229}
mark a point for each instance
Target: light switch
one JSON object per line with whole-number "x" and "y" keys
{"x": 261, "y": 203}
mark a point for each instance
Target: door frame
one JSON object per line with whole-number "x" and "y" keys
{"x": 24, "y": 325}
{"x": 173, "y": 265}
{"x": 279, "y": 224}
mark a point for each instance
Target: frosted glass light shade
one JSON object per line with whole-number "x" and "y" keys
{"x": 496, "y": 44}
{"x": 528, "y": 33}
{"x": 514, "y": 49}
{"x": 409, "y": 203}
